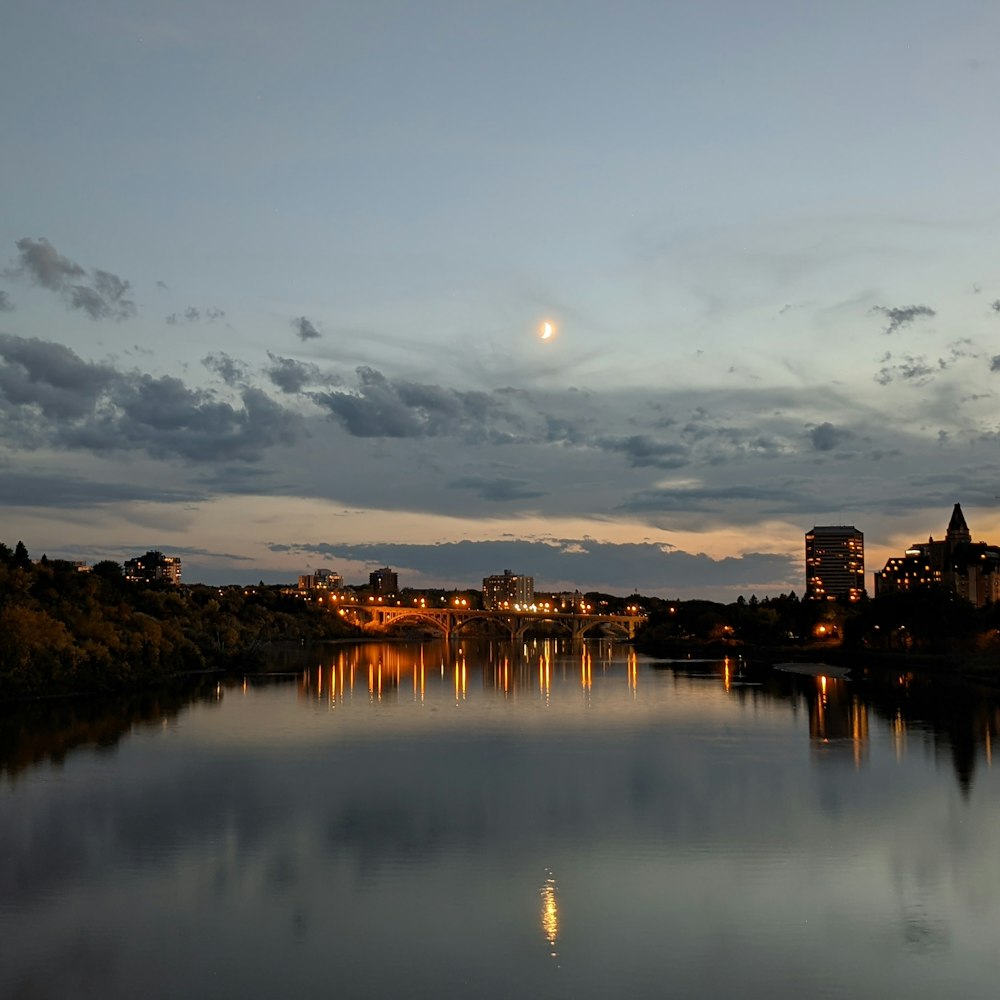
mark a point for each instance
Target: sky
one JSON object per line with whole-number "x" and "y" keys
{"x": 272, "y": 282}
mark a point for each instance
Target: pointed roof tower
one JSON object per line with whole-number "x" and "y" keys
{"x": 958, "y": 530}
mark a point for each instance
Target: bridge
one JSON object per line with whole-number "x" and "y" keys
{"x": 454, "y": 622}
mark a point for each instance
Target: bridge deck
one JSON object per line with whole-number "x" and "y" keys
{"x": 515, "y": 624}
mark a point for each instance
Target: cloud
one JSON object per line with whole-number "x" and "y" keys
{"x": 995, "y": 363}
{"x": 900, "y": 316}
{"x": 70, "y": 492}
{"x": 5, "y": 304}
{"x": 165, "y": 418}
{"x": 103, "y": 298}
{"x": 380, "y": 407}
{"x": 617, "y": 567}
{"x": 641, "y": 451}
{"x": 194, "y": 315}
{"x": 826, "y": 437}
{"x": 500, "y": 488}
{"x": 49, "y": 380}
{"x": 305, "y": 329}
{"x": 49, "y": 395}
{"x": 292, "y": 376}
{"x": 908, "y": 369}
{"x": 40, "y": 260}
{"x": 995, "y": 305}
{"x": 230, "y": 370}
{"x": 777, "y": 499}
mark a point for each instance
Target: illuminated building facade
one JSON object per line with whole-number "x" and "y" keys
{"x": 321, "y": 580}
{"x": 835, "y": 563}
{"x": 507, "y": 590}
{"x": 153, "y": 567}
{"x": 383, "y": 582}
{"x": 966, "y": 568}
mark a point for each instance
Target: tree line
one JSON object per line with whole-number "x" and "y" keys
{"x": 65, "y": 631}
{"x": 928, "y": 620}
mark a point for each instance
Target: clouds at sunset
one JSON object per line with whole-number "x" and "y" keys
{"x": 319, "y": 324}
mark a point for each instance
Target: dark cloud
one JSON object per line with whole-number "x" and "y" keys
{"x": 380, "y": 407}
{"x": 781, "y": 498}
{"x": 229, "y": 369}
{"x": 49, "y": 381}
{"x": 305, "y": 329}
{"x": 165, "y": 418}
{"x": 906, "y": 369}
{"x": 5, "y": 304}
{"x": 644, "y": 452}
{"x": 41, "y": 262}
{"x": 68, "y": 492}
{"x": 826, "y": 437}
{"x": 498, "y": 489}
{"x": 562, "y": 431}
{"x": 590, "y": 565}
{"x": 963, "y": 348}
{"x": 194, "y": 315}
{"x": 50, "y": 395}
{"x": 104, "y": 297}
{"x": 292, "y": 376}
{"x": 900, "y": 316}
{"x": 111, "y": 291}
{"x": 995, "y": 305}
{"x": 995, "y": 363}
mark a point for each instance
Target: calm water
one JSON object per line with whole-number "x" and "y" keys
{"x": 539, "y": 821}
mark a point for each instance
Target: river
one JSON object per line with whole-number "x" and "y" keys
{"x": 487, "y": 820}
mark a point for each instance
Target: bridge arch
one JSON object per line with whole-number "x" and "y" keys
{"x": 466, "y": 623}
{"x": 561, "y": 623}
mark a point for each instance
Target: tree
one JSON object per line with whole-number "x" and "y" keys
{"x": 108, "y": 569}
{"x": 21, "y": 558}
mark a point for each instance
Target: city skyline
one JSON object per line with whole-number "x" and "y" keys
{"x": 273, "y": 287}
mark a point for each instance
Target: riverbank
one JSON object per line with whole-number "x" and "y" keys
{"x": 978, "y": 665}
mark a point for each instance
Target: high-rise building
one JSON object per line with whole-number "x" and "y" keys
{"x": 507, "y": 590}
{"x": 383, "y": 582}
{"x": 835, "y": 562}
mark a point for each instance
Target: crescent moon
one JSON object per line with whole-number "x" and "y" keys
{"x": 546, "y": 330}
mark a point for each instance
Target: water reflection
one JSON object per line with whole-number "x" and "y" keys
{"x": 838, "y": 720}
{"x": 958, "y": 721}
{"x": 717, "y": 830}
{"x": 32, "y": 733}
{"x": 391, "y": 668}
{"x": 550, "y": 912}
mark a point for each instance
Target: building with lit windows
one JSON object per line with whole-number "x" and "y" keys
{"x": 153, "y": 567}
{"x": 383, "y": 582}
{"x": 322, "y": 580}
{"x": 507, "y": 590}
{"x": 966, "y": 568}
{"x": 835, "y": 563}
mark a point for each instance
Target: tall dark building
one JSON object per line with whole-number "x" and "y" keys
{"x": 835, "y": 563}
{"x": 383, "y": 582}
